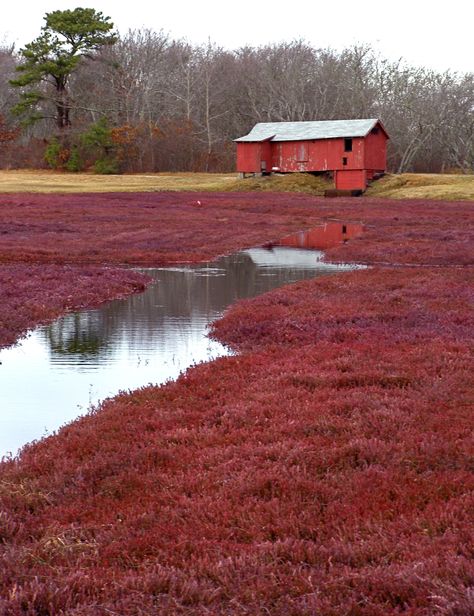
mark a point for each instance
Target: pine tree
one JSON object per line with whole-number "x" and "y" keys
{"x": 49, "y": 61}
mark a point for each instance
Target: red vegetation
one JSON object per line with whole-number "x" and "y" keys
{"x": 158, "y": 228}
{"x": 326, "y": 469}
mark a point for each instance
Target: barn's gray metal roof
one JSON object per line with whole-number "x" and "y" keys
{"x": 300, "y": 131}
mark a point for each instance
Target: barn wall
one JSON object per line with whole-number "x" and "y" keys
{"x": 266, "y": 156}
{"x": 376, "y": 151}
{"x": 317, "y": 155}
{"x": 351, "y": 179}
{"x": 248, "y": 157}
{"x": 253, "y": 157}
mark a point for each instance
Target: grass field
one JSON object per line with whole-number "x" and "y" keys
{"x": 424, "y": 186}
{"x": 404, "y": 186}
{"x": 53, "y": 182}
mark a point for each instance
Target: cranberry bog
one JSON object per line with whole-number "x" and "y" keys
{"x": 325, "y": 468}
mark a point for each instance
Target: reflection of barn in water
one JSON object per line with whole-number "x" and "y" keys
{"x": 326, "y": 236}
{"x": 147, "y": 338}
{"x": 274, "y": 257}
{"x": 183, "y": 301}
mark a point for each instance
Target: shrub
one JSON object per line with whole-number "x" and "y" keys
{"x": 56, "y": 155}
{"x": 106, "y": 166}
{"x": 74, "y": 162}
{"x": 98, "y": 140}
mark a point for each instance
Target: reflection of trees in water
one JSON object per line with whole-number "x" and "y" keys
{"x": 177, "y": 305}
{"x": 76, "y": 334}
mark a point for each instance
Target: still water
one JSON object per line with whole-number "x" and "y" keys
{"x": 58, "y": 371}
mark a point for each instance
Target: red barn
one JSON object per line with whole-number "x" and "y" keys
{"x": 353, "y": 150}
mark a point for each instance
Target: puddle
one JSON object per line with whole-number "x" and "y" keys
{"x": 60, "y": 370}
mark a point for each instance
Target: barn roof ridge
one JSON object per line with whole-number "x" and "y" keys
{"x": 318, "y": 129}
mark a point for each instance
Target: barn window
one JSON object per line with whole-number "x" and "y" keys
{"x": 344, "y": 160}
{"x": 347, "y": 145}
{"x": 375, "y": 130}
{"x": 302, "y": 152}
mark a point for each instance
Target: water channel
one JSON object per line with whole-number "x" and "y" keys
{"x": 60, "y": 370}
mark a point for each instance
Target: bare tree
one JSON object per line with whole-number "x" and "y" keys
{"x": 8, "y": 64}
{"x": 178, "y": 106}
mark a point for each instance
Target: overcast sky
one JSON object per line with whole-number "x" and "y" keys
{"x": 423, "y": 32}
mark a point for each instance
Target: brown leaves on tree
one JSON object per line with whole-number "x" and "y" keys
{"x": 7, "y": 134}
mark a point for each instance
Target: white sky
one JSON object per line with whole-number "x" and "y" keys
{"x": 437, "y": 35}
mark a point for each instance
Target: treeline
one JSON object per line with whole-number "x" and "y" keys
{"x": 151, "y": 103}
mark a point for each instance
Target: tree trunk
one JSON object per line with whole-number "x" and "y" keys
{"x": 208, "y": 128}
{"x": 63, "y": 107}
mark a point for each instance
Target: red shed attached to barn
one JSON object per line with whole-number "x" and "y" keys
{"x": 353, "y": 150}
